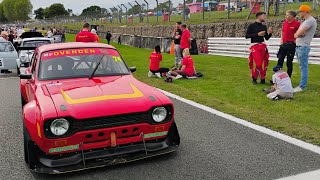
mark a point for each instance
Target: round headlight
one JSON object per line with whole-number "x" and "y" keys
{"x": 59, "y": 127}
{"x": 159, "y": 114}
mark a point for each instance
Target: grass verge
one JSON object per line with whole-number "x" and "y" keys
{"x": 226, "y": 86}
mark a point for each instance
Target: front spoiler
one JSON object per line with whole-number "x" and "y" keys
{"x": 108, "y": 157}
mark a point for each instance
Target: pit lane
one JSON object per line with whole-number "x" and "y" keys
{"x": 211, "y": 148}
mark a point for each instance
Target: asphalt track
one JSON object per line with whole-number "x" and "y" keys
{"x": 211, "y": 148}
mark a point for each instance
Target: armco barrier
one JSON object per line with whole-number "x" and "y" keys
{"x": 239, "y": 47}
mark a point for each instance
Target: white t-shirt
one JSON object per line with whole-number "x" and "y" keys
{"x": 283, "y": 82}
{"x": 49, "y": 34}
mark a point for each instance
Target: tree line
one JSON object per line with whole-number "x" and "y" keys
{"x": 15, "y": 10}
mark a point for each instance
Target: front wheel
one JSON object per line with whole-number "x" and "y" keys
{"x": 29, "y": 149}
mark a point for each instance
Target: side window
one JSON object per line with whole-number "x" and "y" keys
{"x": 34, "y": 62}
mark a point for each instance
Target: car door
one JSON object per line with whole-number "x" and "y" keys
{"x": 30, "y": 84}
{"x": 8, "y": 56}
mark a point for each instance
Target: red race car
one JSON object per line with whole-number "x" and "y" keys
{"x": 82, "y": 108}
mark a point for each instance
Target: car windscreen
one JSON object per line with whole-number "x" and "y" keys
{"x": 79, "y": 63}
{"x": 35, "y": 43}
{"x": 6, "y": 47}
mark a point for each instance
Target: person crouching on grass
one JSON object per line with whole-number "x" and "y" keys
{"x": 282, "y": 87}
{"x": 187, "y": 68}
{"x": 155, "y": 59}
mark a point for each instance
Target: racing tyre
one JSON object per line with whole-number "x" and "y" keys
{"x": 23, "y": 102}
{"x": 28, "y": 145}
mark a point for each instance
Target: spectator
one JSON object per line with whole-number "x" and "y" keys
{"x": 155, "y": 59}
{"x": 304, "y": 37}
{"x": 85, "y": 35}
{"x": 282, "y": 86}
{"x": 108, "y": 37}
{"x": 177, "y": 38}
{"x": 185, "y": 38}
{"x": 187, "y": 13}
{"x": 11, "y": 37}
{"x": 187, "y": 68}
{"x": 119, "y": 39}
{"x": 259, "y": 55}
{"x": 93, "y": 31}
{"x": 49, "y": 33}
{"x": 288, "y": 45}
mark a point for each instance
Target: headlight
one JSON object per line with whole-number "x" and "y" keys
{"x": 59, "y": 127}
{"x": 159, "y": 114}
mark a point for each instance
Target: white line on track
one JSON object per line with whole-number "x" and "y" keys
{"x": 291, "y": 140}
{"x": 312, "y": 175}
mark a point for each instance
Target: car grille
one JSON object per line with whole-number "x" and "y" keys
{"x": 111, "y": 121}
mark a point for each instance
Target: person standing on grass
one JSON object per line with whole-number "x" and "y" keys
{"x": 304, "y": 37}
{"x": 288, "y": 42}
{"x": 282, "y": 86}
{"x": 108, "y": 37}
{"x": 185, "y": 38}
{"x": 85, "y": 35}
{"x": 155, "y": 59}
{"x": 259, "y": 55}
{"x": 177, "y": 38}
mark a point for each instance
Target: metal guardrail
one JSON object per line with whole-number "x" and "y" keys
{"x": 239, "y": 47}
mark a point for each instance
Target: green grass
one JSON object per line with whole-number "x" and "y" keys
{"x": 226, "y": 86}
{"x": 210, "y": 17}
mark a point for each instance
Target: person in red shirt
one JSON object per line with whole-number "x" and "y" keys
{"x": 155, "y": 59}
{"x": 187, "y": 68}
{"x": 85, "y": 35}
{"x": 185, "y": 38}
{"x": 288, "y": 45}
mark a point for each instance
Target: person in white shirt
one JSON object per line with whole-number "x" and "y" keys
{"x": 49, "y": 33}
{"x": 282, "y": 86}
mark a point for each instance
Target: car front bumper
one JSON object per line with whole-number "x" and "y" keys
{"x": 106, "y": 157}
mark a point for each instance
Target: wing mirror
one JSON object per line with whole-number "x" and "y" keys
{"x": 133, "y": 69}
{"x": 25, "y": 76}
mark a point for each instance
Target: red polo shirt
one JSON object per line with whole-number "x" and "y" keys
{"x": 289, "y": 29}
{"x": 155, "y": 59}
{"x": 85, "y": 36}
{"x": 188, "y": 62}
{"x": 184, "y": 43}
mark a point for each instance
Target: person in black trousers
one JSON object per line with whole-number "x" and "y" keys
{"x": 108, "y": 37}
{"x": 288, "y": 45}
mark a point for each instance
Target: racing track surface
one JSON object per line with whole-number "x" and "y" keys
{"x": 211, "y": 148}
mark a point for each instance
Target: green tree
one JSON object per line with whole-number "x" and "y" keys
{"x": 39, "y": 13}
{"x": 55, "y": 10}
{"x": 8, "y": 9}
{"x": 22, "y": 9}
{"x": 2, "y": 17}
{"x": 92, "y": 10}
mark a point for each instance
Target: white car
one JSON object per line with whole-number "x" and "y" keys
{"x": 26, "y": 50}
{"x": 8, "y": 54}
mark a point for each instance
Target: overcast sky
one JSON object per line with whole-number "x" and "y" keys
{"x": 78, "y": 5}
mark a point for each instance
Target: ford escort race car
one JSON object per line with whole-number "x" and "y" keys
{"x": 82, "y": 108}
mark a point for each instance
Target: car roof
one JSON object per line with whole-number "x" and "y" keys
{"x": 36, "y": 39}
{"x": 71, "y": 45}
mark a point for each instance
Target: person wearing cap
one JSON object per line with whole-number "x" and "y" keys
{"x": 259, "y": 55}
{"x": 304, "y": 37}
{"x": 288, "y": 42}
{"x": 93, "y": 31}
{"x": 282, "y": 87}
{"x": 85, "y": 35}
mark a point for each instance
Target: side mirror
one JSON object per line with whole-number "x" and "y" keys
{"x": 133, "y": 69}
{"x": 25, "y": 76}
{"x": 25, "y": 64}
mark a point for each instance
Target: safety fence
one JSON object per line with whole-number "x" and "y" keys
{"x": 239, "y": 47}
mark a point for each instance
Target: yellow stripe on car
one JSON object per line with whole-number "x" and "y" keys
{"x": 136, "y": 94}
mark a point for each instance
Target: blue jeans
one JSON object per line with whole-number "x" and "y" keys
{"x": 303, "y": 58}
